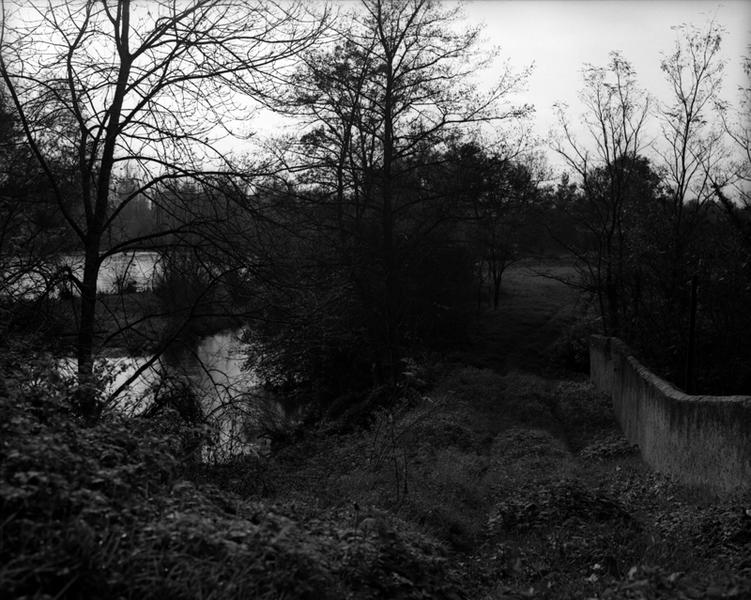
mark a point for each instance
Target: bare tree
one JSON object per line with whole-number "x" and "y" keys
{"x": 497, "y": 189}
{"x": 733, "y": 186}
{"x": 158, "y": 86}
{"x": 396, "y": 86}
{"x": 692, "y": 149}
{"x": 616, "y": 113}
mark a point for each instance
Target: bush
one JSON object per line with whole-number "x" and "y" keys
{"x": 106, "y": 511}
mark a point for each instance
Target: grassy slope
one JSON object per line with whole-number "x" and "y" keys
{"x": 533, "y": 313}
{"x": 524, "y": 476}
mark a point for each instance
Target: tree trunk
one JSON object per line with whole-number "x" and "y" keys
{"x": 391, "y": 367}
{"x": 480, "y": 281}
{"x": 611, "y": 293}
{"x": 86, "y": 393}
{"x": 96, "y": 218}
{"x": 497, "y": 278}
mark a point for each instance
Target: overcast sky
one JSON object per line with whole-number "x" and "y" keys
{"x": 561, "y": 35}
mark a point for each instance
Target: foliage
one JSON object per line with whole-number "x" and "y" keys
{"x": 312, "y": 331}
{"x": 530, "y": 484}
{"x": 105, "y": 511}
{"x": 652, "y": 311}
{"x": 525, "y": 480}
{"x": 611, "y": 179}
{"x": 571, "y": 349}
{"x": 370, "y": 264}
{"x": 641, "y": 230}
{"x": 497, "y": 197}
{"x": 199, "y": 59}
{"x": 32, "y": 232}
{"x": 190, "y": 290}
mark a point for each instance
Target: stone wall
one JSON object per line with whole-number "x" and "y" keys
{"x": 701, "y": 440}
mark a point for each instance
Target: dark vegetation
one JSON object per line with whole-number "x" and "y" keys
{"x": 407, "y": 280}
{"x": 481, "y": 485}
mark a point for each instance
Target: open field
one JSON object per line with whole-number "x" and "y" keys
{"x": 536, "y": 309}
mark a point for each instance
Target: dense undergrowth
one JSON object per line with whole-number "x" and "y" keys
{"x": 108, "y": 512}
{"x": 480, "y": 482}
{"x": 528, "y": 483}
{"x": 486, "y": 486}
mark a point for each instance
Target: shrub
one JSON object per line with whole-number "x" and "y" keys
{"x": 106, "y": 511}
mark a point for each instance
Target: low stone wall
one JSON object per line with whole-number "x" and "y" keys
{"x": 701, "y": 440}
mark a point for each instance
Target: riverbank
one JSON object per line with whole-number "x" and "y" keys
{"x": 130, "y": 323}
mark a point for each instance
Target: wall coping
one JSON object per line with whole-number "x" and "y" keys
{"x": 614, "y": 344}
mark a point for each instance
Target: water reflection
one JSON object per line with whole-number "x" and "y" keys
{"x": 134, "y": 271}
{"x": 230, "y": 398}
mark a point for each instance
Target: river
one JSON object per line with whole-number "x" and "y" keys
{"x": 232, "y": 402}
{"x": 133, "y": 271}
